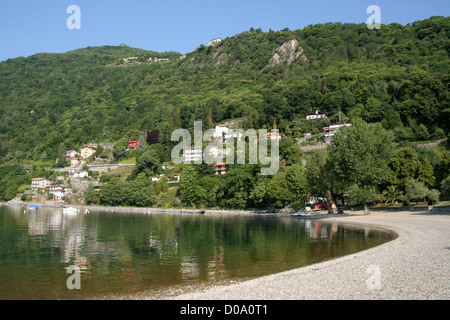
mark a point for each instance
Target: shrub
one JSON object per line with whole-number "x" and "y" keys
{"x": 433, "y": 196}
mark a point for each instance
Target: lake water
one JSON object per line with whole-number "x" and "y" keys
{"x": 132, "y": 252}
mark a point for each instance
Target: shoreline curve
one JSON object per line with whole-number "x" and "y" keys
{"x": 414, "y": 266}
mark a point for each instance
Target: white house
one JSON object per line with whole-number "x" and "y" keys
{"x": 232, "y": 135}
{"x": 215, "y": 151}
{"x": 220, "y": 131}
{"x": 176, "y": 178}
{"x": 273, "y": 135}
{"x": 57, "y": 191}
{"x": 220, "y": 168}
{"x": 330, "y": 131}
{"x": 71, "y": 154}
{"x": 78, "y": 174}
{"x": 315, "y": 115}
{"x": 157, "y": 178}
{"x": 193, "y": 154}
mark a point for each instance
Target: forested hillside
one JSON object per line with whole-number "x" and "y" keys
{"x": 397, "y": 75}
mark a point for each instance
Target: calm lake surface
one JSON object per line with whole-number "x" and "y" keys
{"x": 132, "y": 252}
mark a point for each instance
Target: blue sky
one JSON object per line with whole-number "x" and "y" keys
{"x": 29, "y": 26}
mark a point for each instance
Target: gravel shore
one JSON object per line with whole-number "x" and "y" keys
{"x": 413, "y": 266}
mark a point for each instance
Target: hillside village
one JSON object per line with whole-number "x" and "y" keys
{"x": 91, "y": 165}
{"x": 84, "y": 167}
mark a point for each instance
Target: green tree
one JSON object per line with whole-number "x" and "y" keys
{"x": 113, "y": 193}
{"x": 322, "y": 179}
{"x": 445, "y": 187}
{"x": 120, "y": 149}
{"x": 297, "y": 182}
{"x": 443, "y": 169}
{"x": 426, "y": 173}
{"x": 403, "y": 166}
{"x": 288, "y": 186}
{"x": 360, "y": 158}
{"x": 259, "y": 194}
{"x": 11, "y": 190}
{"x": 148, "y": 162}
{"x": 275, "y": 107}
{"x": 415, "y": 190}
{"x": 235, "y": 186}
{"x": 207, "y": 188}
{"x": 391, "y": 193}
{"x": 290, "y": 151}
{"x": 421, "y": 132}
{"x": 280, "y": 195}
{"x": 92, "y": 196}
{"x": 99, "y": 151}
{"x": 61, "y": 154}
{"x": 188, "y": 186}
{"x": 433, "y": 196}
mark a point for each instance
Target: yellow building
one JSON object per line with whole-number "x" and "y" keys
{"x": 39, "y": 183}
{"x": 87, "y": 151}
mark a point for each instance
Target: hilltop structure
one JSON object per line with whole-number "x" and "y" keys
{"x": 215, "y": 41}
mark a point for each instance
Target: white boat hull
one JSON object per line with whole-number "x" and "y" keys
{"x": 70, "y": 211}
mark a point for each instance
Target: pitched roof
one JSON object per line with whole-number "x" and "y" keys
{"x": 272, "y": 133}
{"x": 315, "y": 112}
{"x": 220, "y": 164}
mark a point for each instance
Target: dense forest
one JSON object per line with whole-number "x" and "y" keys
{"x": 397, "y": 77}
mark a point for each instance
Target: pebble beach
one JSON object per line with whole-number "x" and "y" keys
{"x": 415, "y": 265}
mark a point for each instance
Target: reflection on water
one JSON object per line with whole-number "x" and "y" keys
{"x": 121, "y": 252}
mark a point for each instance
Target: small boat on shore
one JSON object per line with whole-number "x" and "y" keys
{"x": 34, "y": 207}
{"x": 196, "y": 212}
{"x": 303, "y": 213}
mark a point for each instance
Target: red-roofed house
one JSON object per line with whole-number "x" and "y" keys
{"x": 273, "y": 135}
{"x": 57, "y": 191}
{"x": 132, "y": 144}
{"x": 39, "y": 183}
{"x": 71, "y": 154}
{"x": 221, "y": 168}
{"x": 315, "y": 115}
{"x": 87, "y": 151}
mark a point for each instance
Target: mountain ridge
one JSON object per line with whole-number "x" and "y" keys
{"x": 398, "y": 74}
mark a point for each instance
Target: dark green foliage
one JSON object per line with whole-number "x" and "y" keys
{"x": 360, "y": 154}
{"x": 398, "y": 75}
{"x": 125, "y": 193}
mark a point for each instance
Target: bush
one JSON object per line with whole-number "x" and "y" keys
{"x": 297, "y": 205}
{"x": 433, "y": 196}
{"x": 445, "y": 187}
{"x": 415, "y": 190}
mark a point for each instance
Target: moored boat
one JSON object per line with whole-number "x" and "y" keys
{"x": 196, "y": 212}
{"x": 70, "y": 210}
{"x": 303, "y": 213}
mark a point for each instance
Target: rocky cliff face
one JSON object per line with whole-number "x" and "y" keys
{"x": 287, "y": 53}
